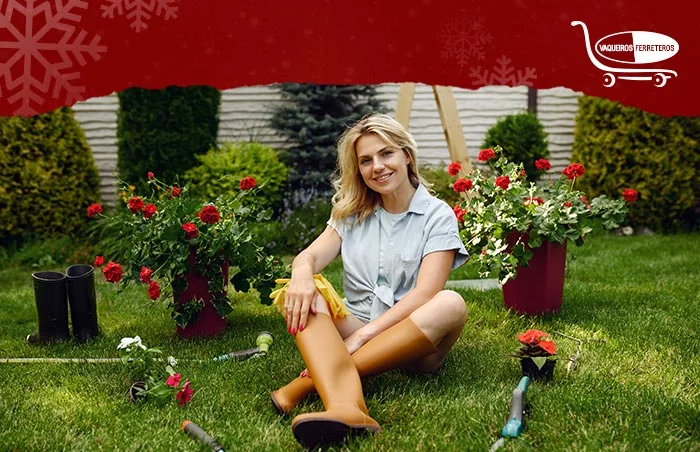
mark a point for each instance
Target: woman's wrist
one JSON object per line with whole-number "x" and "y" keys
{"x": 302, "y": 271}
{"x": 368, "y": 332}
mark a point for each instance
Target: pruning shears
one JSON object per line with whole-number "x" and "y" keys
{"x": 516, "y": 419}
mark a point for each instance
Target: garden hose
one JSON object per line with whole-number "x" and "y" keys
{"x": 263, "y": 342}
{"x": 198, "y": 433}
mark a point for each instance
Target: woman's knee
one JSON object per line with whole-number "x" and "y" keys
{"x": 453, "y": 305}
{"x": 445, "y": 312}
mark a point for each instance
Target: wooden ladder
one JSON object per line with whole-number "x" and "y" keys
{"x": 449, "y": 116}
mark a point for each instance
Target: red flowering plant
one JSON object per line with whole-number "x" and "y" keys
{"x": 504, "y": 216}
{"x": 163, "y": 236}
{"x": 536, "y": 345}
{"x": 154, "y": 377}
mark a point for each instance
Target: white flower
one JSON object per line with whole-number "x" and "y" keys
{"x": 172, "y": 361}
{"x": 127, "y": 342}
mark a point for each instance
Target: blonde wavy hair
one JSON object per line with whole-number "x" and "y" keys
{"x": 352, "y": 195}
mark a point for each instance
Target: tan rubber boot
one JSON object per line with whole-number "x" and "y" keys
{"x": 336, "y": 379}
{"x": 393, "y": 348}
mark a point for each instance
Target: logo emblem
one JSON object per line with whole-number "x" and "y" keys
{"x": 632, "y": 48}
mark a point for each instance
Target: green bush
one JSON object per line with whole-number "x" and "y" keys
{"x": 624, "y": 147}
{"x": 302, "y": 219}
{"x": 300, "y": 226}
{"x": 441, "y": 182}
{"x": 48, "y": 176}
{"x": 221, "y": 170}
{"x": 44, "y": 254}
{"x": 523, "y": 140}
{"x": 163, "y": 130}
{"x": 691, "y": 129}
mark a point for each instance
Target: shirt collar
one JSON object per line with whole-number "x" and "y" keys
{"x": 419, "y": 202}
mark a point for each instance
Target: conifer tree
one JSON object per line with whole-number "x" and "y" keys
{"x": 312, "y": 121}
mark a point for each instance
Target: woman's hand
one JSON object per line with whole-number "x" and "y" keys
{"x": 298, "y": 301}
{"x": 301, "y": 294}
{"x": 357, "y": 339}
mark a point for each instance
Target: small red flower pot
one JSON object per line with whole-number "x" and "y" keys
{"x": 539, "y": 287}
{"x": 208, "y": 321}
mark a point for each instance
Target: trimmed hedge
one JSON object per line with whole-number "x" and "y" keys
{"x": 523, "y": 140}
{"x": 624, "y": 147}
{"x": 48, "y": 176}
{"x": 221, "y": 170}
{"x": 163, "y": 130}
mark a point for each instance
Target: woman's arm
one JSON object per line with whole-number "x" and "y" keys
{"x": 432, "y": 277}
{"x": 301, "y": 293}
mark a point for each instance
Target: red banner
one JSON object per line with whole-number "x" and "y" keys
{"x": 57, "y": 52}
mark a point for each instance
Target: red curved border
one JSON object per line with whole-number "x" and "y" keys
{"x": 90, "y": 48}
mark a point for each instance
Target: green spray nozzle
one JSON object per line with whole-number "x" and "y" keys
{"x": 263, "y": 341}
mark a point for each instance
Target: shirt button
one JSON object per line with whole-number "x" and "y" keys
{"x": 391, "y": 243}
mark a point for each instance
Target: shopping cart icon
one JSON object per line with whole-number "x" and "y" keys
{"x": 658, "y": 77}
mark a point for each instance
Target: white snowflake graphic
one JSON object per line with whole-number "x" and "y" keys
{"x": 42, "y": 45}
{"x": 464, "y": 38}
{"x": 139, "y": 11}
{"x": 503, "y": 73}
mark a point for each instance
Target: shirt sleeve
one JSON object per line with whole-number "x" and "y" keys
{"x": 444, "y": 235}
{"x": 338, "y": 226}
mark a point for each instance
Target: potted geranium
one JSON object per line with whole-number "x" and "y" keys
{"x": 186, "y": 251}
{"x": 513, "y": 227}
{"x": 537, "y": 355}
{"x": 152, "y": 377}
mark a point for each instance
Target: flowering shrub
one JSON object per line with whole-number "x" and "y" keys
{"x": 536, "y": 345}
{"x": 503, "y": 216}
{"x": 168, "y": 234}
{"x": 144, "y": 365}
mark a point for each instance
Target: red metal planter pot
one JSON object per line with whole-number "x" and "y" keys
{"x": 209, "y": 322}
{"x": 539, "y": 287}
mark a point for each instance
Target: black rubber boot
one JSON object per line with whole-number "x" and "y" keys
{"x": 51, "y": 308}
{"x": 83, "y": 305}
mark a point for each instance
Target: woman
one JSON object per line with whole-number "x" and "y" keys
{"x": 398, "y": 245}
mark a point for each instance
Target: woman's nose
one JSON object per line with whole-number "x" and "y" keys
{"x": 377, "y": 165}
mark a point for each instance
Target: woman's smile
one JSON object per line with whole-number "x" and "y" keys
{"x": 383, "y": 178}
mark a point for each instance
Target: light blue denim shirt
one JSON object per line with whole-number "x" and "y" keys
{"x": 373, "y": 248}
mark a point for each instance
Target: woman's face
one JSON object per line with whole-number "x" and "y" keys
{"x": 383, "y": 168}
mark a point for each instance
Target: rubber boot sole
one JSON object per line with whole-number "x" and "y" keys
{"x": 312, "y": 433}
{"x": 278, "y": 407}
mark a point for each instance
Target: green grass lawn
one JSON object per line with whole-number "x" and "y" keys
{"x": 638, "y": 390}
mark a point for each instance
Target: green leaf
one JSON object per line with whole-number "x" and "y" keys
{"x": 240, "y": 282}
{"x": 539, "y": 361}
